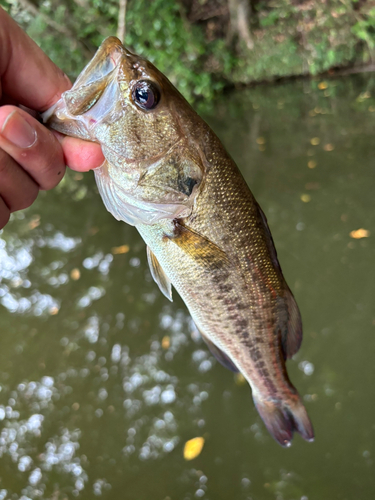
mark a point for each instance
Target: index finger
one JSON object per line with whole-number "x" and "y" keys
{"x": 27, "y": 74}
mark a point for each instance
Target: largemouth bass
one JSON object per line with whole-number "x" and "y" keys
{"x": 167, "y": 174}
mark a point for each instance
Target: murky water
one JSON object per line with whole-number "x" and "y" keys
{"x": 103, "y": 380}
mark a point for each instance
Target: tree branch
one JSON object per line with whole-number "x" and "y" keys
{"x": 121, "y": 20}
{"x": 26, "y": 4}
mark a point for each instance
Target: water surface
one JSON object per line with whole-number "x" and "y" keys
{"x": 103, "y": 380}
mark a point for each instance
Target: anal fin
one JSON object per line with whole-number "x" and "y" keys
{"x": 159, "y": 275}
{"x": 220, "y": 355}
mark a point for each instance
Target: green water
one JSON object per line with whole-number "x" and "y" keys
{"x": 103, "y": 380}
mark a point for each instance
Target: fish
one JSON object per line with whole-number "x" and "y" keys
{"x": 167, "y": 174}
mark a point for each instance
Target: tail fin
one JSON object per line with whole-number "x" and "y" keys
{"x": 282, "y": 418}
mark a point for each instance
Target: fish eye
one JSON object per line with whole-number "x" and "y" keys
{"x": 146, "y": 94}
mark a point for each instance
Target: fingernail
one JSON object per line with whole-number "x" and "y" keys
{"x": 18, "y": 131}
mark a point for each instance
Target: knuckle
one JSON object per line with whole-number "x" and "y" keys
{"x": 28, "y": 197}
{"x": 4, "y": 214}
{"x": 51, "y": 176}
{"x": 3, "y": 162}
{"x": 51, "y": 166}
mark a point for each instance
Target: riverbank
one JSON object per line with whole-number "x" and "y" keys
{"x": 204, "y": 46}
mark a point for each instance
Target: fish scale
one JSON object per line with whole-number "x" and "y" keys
{"x": 167, "y": 174}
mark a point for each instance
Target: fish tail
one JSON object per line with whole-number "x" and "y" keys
{"x": 282, "y": 418}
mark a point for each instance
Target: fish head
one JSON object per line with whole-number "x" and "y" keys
{"x": 121, "y": 101}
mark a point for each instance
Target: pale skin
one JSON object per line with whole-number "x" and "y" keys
{"x": 32, "y": 158}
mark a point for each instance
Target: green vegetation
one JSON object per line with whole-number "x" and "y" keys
{"x": 204, "y": 45}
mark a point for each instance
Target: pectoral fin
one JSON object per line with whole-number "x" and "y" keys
{"x": 198, "y": 247}
{"x": 220, "y": 355}
{"x": 159, "y": 275}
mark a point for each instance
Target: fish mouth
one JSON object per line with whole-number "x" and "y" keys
{"x": 99, "y": 99}
{"x": 95, "y": 85}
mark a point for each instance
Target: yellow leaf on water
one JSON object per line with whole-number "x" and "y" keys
{"x": 311, "y": 164}
{"x": 165, "y": 342}
{"x": 322, "y": 85}
{"x": 305, "y": 198}
{"x": 35, "y": 221}
{"x": 261, "y": 140}
{"x": 75, "y": 274}
{"x": 315, "y": 141}
{"x": 328, "y": 147}
{"x": 120, "y": 250}
{"x": 239, "y": 379}
{"x": 359, "y": 233}
{"x": 193, "y": 448}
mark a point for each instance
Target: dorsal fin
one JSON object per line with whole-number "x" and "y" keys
{"x": 289, "y": 315}
{"x": 290, "y": 324}
{"x": 219, "y": 354}
{"x": 159, "y": 275}
{"x": 269, "y": 239}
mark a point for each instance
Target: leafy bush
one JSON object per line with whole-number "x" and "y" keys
{"x": 197, "y": 53}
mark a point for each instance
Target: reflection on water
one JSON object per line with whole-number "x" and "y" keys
{"x": 103, "y": 381}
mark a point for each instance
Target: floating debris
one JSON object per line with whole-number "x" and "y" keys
{"x": 315, "y": 141}
{"x": 311, "y": 164}
{"x": 120, "y": 250}
{"x": 359, "y": 233}
{"x": 75, "y": 274}
{"x": 35, "y": 221}
{"x": 166, "y": 342}
{"x": 322, "y": 85}
{"x": 193, "y": 448}
{"x": 239, "y": 379}
{"x": 305, "y": 198}
{"x": 328, "y": 147}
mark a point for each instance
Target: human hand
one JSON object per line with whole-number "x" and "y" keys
{"x": 32, "y": 158}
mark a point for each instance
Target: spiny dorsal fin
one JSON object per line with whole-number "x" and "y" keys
{"x": 219, "y": 354}
{"x": 291, "y": 336}
{"x": 159, "y": 275}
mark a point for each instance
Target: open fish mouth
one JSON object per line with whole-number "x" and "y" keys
{"x": 137, "y": 186}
